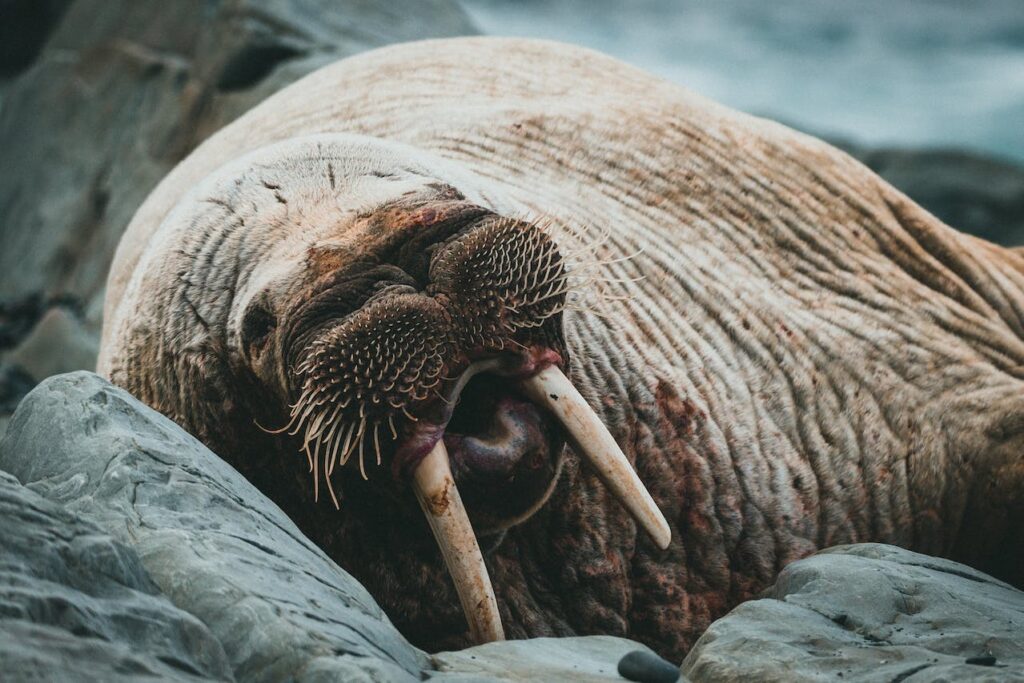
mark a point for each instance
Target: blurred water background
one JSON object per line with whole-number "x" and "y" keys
{"x": 896, "y": 73}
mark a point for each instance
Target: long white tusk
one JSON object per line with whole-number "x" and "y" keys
{"x": 553, "y": 390}
{"x": 438, "y": 496}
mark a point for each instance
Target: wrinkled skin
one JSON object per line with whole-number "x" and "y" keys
{"x": 809, "y": 358}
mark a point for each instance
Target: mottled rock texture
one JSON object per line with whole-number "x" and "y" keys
{"x": 869, "y": 613}
{"x": 76, "y": 604}
{"x": 252, "y": 598}
{"x": 208, "y": 539}
{"x": 136, "y": 552}
{"x": 99, "y": 99}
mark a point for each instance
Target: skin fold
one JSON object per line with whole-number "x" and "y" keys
{"x": 792, "y": 353}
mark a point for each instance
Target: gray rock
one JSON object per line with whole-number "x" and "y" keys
{"x": 869, "y": 613}
{"x": 212, "y": 543}
{"x": 219, "y": 550}
{"x": 591, "y": 658}
{"x": 59, "y": 342}
{"x": 75, "y": 604}
{"x": 99, "y": 99}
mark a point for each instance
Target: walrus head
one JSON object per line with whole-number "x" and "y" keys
{"x": 403, "y": 335}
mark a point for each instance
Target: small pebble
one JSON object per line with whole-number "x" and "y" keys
{"x": 644, "y": 667}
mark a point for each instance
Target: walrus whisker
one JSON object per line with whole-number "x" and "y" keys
{"x": 292, "y": 417}
{"x": 316, "y": 451}
{"x": 376, "y": 442}
{"x": 316, "y": 479}
{"x": 589, "y": 279}
{"x": 309, "y": 457}
{"x": 332, "y": 453}
{"x": 440, "y": 396}
{"x": 362, "y": 468}
{"x": 329, "y": 437}
{"x": 315, "y": 424}
{"x": 600, "y": 263}
{"x": 267, "y": 430}
{"x": 330, "y": 489}
{"x": 350, "y": 445}
{"x": 350, "y": 429}
{"x": 305, "y": 415}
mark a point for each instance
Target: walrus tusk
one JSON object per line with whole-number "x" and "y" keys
{"x": 553, "y": 390}
{"x": 438, "y": 496}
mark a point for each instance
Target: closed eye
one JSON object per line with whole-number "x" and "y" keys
{"x": 257, "y": 324}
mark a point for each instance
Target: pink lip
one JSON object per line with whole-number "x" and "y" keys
{"x": 424, "y": 435}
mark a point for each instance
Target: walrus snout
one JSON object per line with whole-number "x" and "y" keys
{"x": 375, "y": 382}
{"x": 384, "y": 383}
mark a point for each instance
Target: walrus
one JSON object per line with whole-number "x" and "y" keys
{"x": 534, "y": 343}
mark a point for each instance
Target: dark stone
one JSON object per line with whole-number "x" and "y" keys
{"x": 14, "y": 384}
{"x": 986, "y": 660}
{"x": 869, "y": 613}
{"x": 252, "y": 64}
{"x": 968, "y": 191}
{"x": 646, "y": 667}
{"x": 25, "y": 27}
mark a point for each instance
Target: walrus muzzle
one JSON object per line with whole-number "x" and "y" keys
{"x": 487, "y": 317}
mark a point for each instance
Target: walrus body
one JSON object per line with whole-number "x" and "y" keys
{"x": 794, "y": 354}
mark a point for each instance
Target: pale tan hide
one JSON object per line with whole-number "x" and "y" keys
{"x": 831, "y": 363}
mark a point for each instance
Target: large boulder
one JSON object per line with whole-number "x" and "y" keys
{"x": 99, "y": 99}
{"x": 869, "y": 613}
{"x": 224, "y": 554}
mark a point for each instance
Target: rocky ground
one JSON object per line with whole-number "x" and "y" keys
{"x": 129, "y": 551}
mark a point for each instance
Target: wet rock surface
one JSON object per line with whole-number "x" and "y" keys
{"x": 132, "y": 550}
{"x": 76, "y": 604}
{"x": 869, "y": 613}
{"x": 210, "y": 541}
{"x": 224, "y": 558}
{"x": 590, "y": 658}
